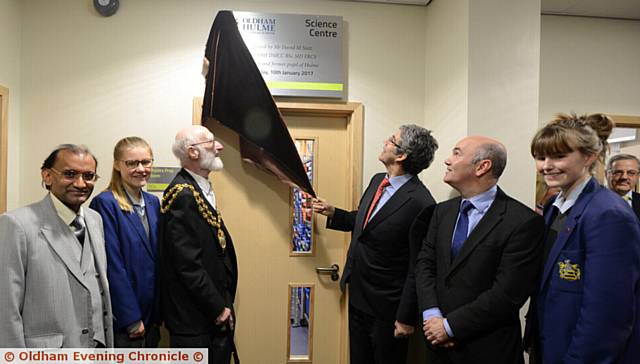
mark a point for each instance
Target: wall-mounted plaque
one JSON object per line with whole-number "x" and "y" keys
{"x": 298, "y": 55}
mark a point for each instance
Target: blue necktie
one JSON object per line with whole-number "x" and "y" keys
{"x": 461, "y": 228}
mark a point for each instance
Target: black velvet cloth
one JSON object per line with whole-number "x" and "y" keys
{"x": 237, "y": 97}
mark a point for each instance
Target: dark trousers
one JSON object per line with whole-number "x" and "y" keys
{"x": 218, "y": 344}
{"x": 371, "y": 340}
{"x": 150, "y": 339}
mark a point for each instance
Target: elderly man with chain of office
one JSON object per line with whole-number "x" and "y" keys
{"x": 53, "y": 263}
{"x": 197, "y": 260}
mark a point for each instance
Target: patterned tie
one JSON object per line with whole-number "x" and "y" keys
{"x": 626, "y": 197}
{"x": 376, "y": 198}
{"x": 78, "y": 228}
{"x": 461, "y": 228}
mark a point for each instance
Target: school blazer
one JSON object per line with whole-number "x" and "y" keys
{"x": 588, "y": 305}
{"x": 131, "y": 258}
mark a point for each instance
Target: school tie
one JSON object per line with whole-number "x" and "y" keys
{"x": 78, "y": 228}
{"x": 461, "y": 228}
{"x": 141, "y": 213}
{"x": 376, "y": 198}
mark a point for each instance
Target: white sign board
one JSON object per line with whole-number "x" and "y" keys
{"x": 298, "y": 55}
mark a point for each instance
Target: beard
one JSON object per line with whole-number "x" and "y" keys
{"x": 210, "y": 161}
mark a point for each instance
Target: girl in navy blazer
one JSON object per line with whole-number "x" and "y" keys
{"x": 587, "y": 308}
{"x": 130, "y": 217}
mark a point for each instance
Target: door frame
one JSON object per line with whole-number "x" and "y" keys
{"x": 353, "y": 112}
{"x": 626, "y": 121}
{"x": 4, "y": 130}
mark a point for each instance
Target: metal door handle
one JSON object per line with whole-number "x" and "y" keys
{"x": 334, "y": 270}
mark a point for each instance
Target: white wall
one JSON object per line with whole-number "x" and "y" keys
{"x": 94, "y": 80}
{"x": 589, "y": 65}
{"x": 446, "y": 83}
{"x": 10, "y": 44}
{"x": 504, "y": 61}
{"x": 482, "y": 64}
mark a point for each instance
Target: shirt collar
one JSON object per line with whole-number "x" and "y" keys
{"x": 135, "y": 201}
{"x": 565, "y": 203}
{"x": 66, "y": 214}
{"x": 202, "y": 182}
{"x": 398, "y": 181}
{"x": 483, "y": 201}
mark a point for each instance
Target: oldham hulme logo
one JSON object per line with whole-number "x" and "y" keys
{"x": 258, "y": 25}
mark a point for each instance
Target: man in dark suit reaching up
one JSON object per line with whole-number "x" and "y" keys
{"x": 623, "y": 171}
{"x": 197, "y": 260}
{"x": 382, "y": 299}
{"x": 479, "y": 262}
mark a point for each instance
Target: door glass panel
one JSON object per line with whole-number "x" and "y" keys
{"x": 300, "y": 323}
{"x": 302, "y": 213}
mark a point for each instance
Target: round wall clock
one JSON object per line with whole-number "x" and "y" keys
{"x": 106, "y": 7}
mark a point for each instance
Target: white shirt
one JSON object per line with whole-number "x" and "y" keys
{"x": 628, "y": 197}
{"x": 394, "y": 185}
{"x": 66, "y": 214}
{"x": 565, "y": 203}
{"x": 206, "y": 188}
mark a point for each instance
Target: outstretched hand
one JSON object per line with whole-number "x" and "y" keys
{"x": 321, "y": 206}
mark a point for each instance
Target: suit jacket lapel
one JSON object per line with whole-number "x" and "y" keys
{"x": 399, "y": 198}
{"x": 365, "y": 203}
{"x": 135, "y": 221}
{"x": 60, "y": 238}
{"x": 193, "y": 182}
{"x": 152, "y": 217}
{"x": 94, "y": 232}
{"x": 448, "y": 225}
{"x": 569, "y": 225}
{"x": 635, "y": 203}
{"x": 491, "y": 218}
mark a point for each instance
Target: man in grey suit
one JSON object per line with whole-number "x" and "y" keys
{"x": 53, "y": 281}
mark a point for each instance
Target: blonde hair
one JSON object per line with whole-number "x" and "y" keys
{"x": 116, "y": 186}
{"x": 568, "y": 132}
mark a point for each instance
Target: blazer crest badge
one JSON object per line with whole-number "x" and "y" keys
{"x": 569, "y": 271}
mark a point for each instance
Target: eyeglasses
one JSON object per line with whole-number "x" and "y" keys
{"x": 618, "y": 173}
{"x": 131, "y": 163}
{"x": 205, "y": 142}
{"x": 392, "y": 140}
{"x": 72, "y": 175}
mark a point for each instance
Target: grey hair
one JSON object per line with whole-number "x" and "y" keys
{"x": 419, "y": 146}
{"x": 496, "y": 154}
{"x": 622, "y": 157}
{"x": 180, "y": 146}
